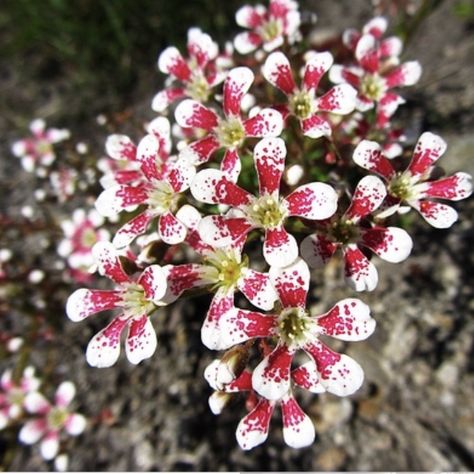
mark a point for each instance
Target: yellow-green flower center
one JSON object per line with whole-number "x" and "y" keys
{"x": 344, "y": 231}
{"x": 198, "y": 87}
{"x": 266, "y": 212}
{"x": 227, "y": 267}
{"x": 295, "y": 327}
{"x": 230, "y": 132}
{"x": 15, "y": 396}
{"x": 89, "y": 237}
{"x": 57, "y": 418}
{"x": 401, "y": 186}
{"x": 373, "y": 87}
{"x": 271, "y": 30}
{"x": 301, "y": 104}
{"x": 162, "y": 197}
{"x": 135, "y": 302}
{"x": 43, "y": 147}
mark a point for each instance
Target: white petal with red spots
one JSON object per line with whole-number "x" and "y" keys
{"x": 291, "y": 283}
{"x": 277, "y": 71}
{"x": 192, "y": 114}
{"x": 391, "y": 244}
{"x": 359, "y": 272}
{"x": 298, "y": 429}
{"x": 258, "y": 289}
{"x": 253, "y": 429}
{"x": 84, "y": 302}
{"x": 141, "y": 340}
{"x": 108, "y": 262}
{"x": 317, "y": 250}
{"x": 280, "y": 248}
{"x": 436, "y": 214}
{"x": 269, "y": 156}
{"x": 314, "y": 201}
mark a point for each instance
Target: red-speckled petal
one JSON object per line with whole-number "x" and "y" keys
{"x": 250, "y": 17}
{"x": 141, "y": 340}
{"x": 163, "y": 99}
{"x": 148, "y": 155}
{"x": 306, "y": 376}
{"x": 266, "y": 123}
{"x": 212, "y": 187}
{"x": 117, "y": 198}
{"x": 211, "y": 332}
{"x": 317, "y": 65}
{"x": 120, "y": 147}
{"x": 366, "y": 53}
{"x": 83, "y": 302}
{"x": 407, "y": 74}
{"x": 317, "y": 250}
{"x": 200, "y": 151}
{"x": 258, "y": 289}
{"x": 453, "y": 188}
{"x": 368, "y": 196}
{"x": 180, "y": 175}
{"x": 231, "y": 165}
{"x": 280, "y": 248}
{"x": 183, "y": 277}
{"x": 339, "y": 374}
{"x": 359, "y": 272}
{"x": 192, "y": 114}
{"x": 269, "y": 156}
{"x": 391, "y": 243}
{"x": 291, "y": 283}
{"x": 316, "y": 127}
{"x": 108, "y": 262}
{"x": 428, "y": 150}
{"x": 103, "y": 349}
{"x": 368, "y": 154}
{"x": 236, "y": 85}
{"x": 170, "y": 229}
{"x": 348, "y": 320}
{"x": 239, "y": 325}
{"x": 271, "y": 378}
{"x": 341, "y": 99}
{"x": 298, "y": 429}
{"x": 247, "y": 42}
{"x": 171, "y": 62}
{"x": 376, "y": 27}
{"x": 315, "y": 201}
{"x": 277, "y": 71}
{"x": 132, "y": 229}
{"x": 253, "y": 429}
{"x": 153, "y": 281}
{"x": 219, "y": 231}
{"x": 436, "y": 214}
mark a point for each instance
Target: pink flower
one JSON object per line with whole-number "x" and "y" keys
{"x": 12, "y": 394}
{"x": 159, "y": 192}
{"x": 349, "y": 232}
{"x": 377, "y": 72}
{"x": 81, "y": 233}
{"x": 196, "y": 75}
{"x": 136, "y": 297}
{"x": 63, "y": 183}
{"x": 225, "y": 270}
{"x": 269, "y": 28}
{"x": 122, "y": 165}
{"x": 314, "y": 201}
{"x": 298, "y": 429}
{"x": 51, "y": 420}
{"x": 230, "y": 131}
{"x": 414, "y": 186}
{"x": 38, "y": 150}
{"x": 294, "y": 329}
{"x": 302, "y": 102}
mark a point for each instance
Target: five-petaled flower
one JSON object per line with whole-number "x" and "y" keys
{"x": 159, "y": 191}
{"x": 349, "y": 232}
{"x": 414, "y": 186}
{"x": 295, "y": 329}
{"x": 303, "y": 103}
{"x": 269, "y": 27}
{"x": 136, "y": 297}
{"x": 230, "y": 131}
{"x": 314, "y": 201}
{"x": 376, "y": 73}
{"x": 196, "y": 76}
{"x": 225, "y": 270}
{"x": 51, "y": 420}
{"x": 12, "y": 394}
{"x": 38, "y": 150}
{"x": 298, "y": 429}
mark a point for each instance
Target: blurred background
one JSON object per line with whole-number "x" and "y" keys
{"x": 70, "y": 62}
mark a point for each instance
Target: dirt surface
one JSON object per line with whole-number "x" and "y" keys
{"x": 415, "y": 410}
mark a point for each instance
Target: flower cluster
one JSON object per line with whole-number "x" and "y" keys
{"x": 213, "y": 187}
